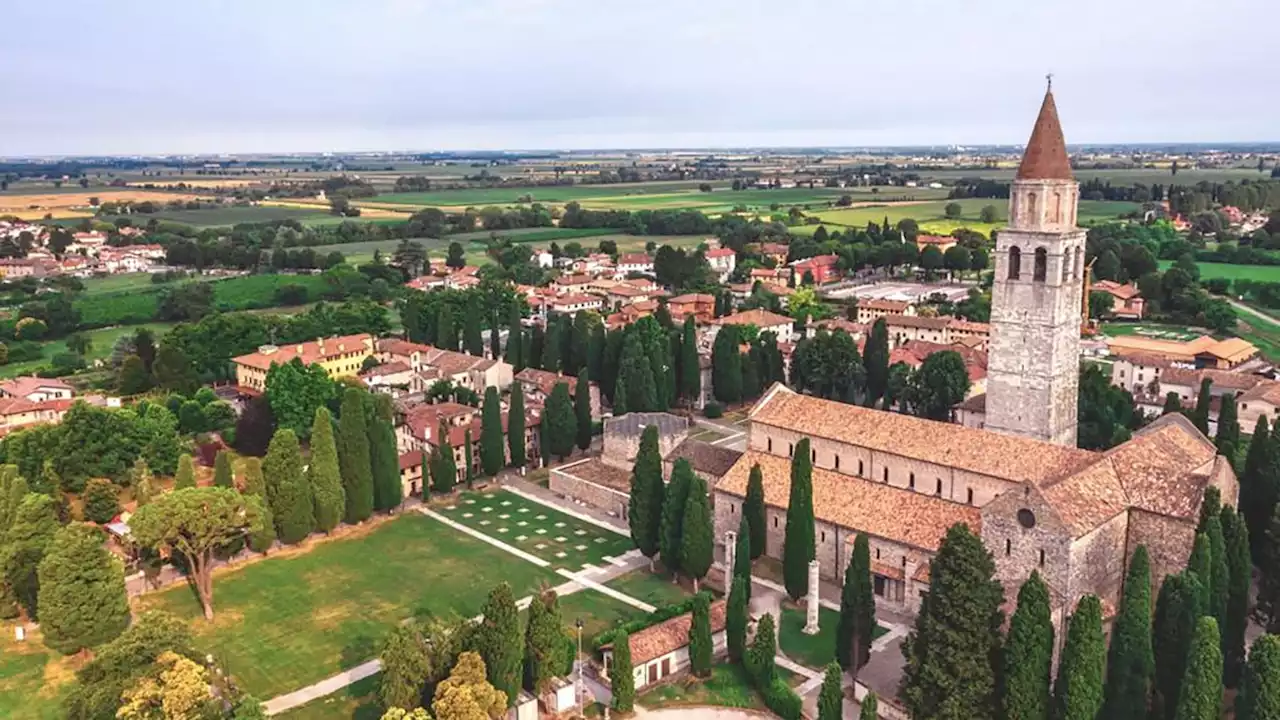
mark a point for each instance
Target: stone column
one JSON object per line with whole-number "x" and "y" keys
{"x": 811, "y": 601}
{"x": 730, "y": 547}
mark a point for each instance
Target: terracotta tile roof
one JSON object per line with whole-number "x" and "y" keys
{"x": 1010, "y": 458}
{"x": 935, "y": 240}
{"x": 1121, "y": 291}
{"x": 16, "y": 406}
{"x": 705, "y": 458}
{"x": 1233, "y": 349}
{"x": 882, "y": 510}
{"x": 887, "y": 570}
{"x": 411, "y": 459}
{"x": 1220, "y": 378}
{"x": 1143, "y": 359}
{"x": 914, "y": 353}
{"x": 721, "y": 252}
{"x": 309, "y": 352}
{"x": 759, "y": 318}
{"x": 915, "y": 321}
{"x": 1267, "y": 391}
{"x": 894, "y": 306}
{"x": 692, "y": 298}
{"x": 848, "y": 326}
{"x": 977, "y": 403}
{"x": 668, "y": 636}
{"x": 573, "y": 279}
{"x": 1046, "y": 155}
{"x": 962, "y": 325}
{"x": 545, "y": 380}
{"x": 635, "y": 259}
{"x": 596, "y": 471}
{"x": 394, "y": 367}
{"x": 815, "y": 262}
{"x": 27, "y": 385}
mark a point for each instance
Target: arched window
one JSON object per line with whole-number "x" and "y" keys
{"x": 1066, "y": 266}
{"x": 1042, "y": 264}
{"x": 1015, "y": 262}
{"x": 1057, "y": 207}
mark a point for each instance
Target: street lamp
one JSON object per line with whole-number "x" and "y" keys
{"x": 578, "y": 690}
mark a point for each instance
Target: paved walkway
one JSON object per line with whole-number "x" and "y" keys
{"x": 325, "y": 687}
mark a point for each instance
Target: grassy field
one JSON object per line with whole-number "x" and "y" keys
{"x": 248, "y": 292}
{"x": 357, "y": 701}
{"x": 103, "y": 340}
{"x": 362, "y": 252}
{"x": 233, "y": 214}
{"x": 814, "y": 651}
{"x": 549, "y": 194}
{"x": 728, "y": 686}
{"x": 1145, "y": 176}
{"x": 656, "y": 590}
{"x": 932, "y": 218}
{"x": 1208, "y": 271}
{"x": 1150, "y": 330}
{"x": 33, "y": 679}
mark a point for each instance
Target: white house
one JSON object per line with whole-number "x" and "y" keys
{"x": 543, "y": 258}
{"x": 722, "y": 262}
{"x": 661, "y": 651}
{"x": 573, "y": 304}
{"x": 763, "y": 320}
{"x": 633, "y": 263}
{"x": 36, "y": 389}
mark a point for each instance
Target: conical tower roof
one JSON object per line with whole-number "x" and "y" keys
{"x": 1046, "y": 155}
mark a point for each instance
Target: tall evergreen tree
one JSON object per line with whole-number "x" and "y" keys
{"x": 621, "y": 677}
{"x": 327, "y": 496}
{"x": 1219, "y": 574}
{"x": 753, "y": 511}
{"x": 798, "y": 543}
{"x": 1200, "y": 697}
{"x": 637, "y": 389}
{"x": 726, "y": 365}
{"x": 468, "y": 460}
{"x": 223, "y": 474}
{"x": 1201, "y": 565}
{"x": 1228, "y": 436}
{"x": 499, "y": 642}
{"x": 1268, "y": 608}
{"x": 406, "y": 663}
{"x": 736, "y": 619}
{"x": 446, "y": 329}
{"x": 444, "y": 468}
{"x": 495, "y": 340}
{"x": 876, "y": 359}
{"x": 288, "y": 493}
{"x": 543, "y": 642}
{"x": 1177, "y": 606}
{"x": 645, "y": 504}
{"x": 559, "y": 426}
{"x": 1172, "y": 403}
{"x": 384, "y": 454}
{"x": 186, "y": 475}
{"x": 1239, "y": 577}
{"x": 82, "y": 596}
{"x": 582, "y": 410}
{"x": 690, "y": 367}
{"x": 1210, "y": 506}
{"x": 1077, "y": 693}
{"x": 354, "y": 459}
{"x": 742, "y": 555}
{"x": 515, "y": 427}
{"x": 472, "y": 333}
{"x": 492, "y": 453}
{"x": 31, "y": 528}
{"x": 537, "y": 340}
{"x": 595, "y": 353}
{"x": 671, "y": 527}
{"x": 700, "y": 643}
{"x": 1027, "y": 659}
{"x": 551, "y": 360}
{"x": 1259, "y": 697}
{"x": 515, "y": 332}
{"x": 1254, "y": 491}
{"x": 764, "y": 648}
{"x": 831, "y": 696}
{"x": 1130, "y": 662}
{"x": 254, "y": 482}
{"x": 952, "y": 651}
{"x": 857, "y": 609}
{"x": 1200, "y": 415}
{"x": 697, "y": 533}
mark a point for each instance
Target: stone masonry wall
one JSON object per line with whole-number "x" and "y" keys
{"x": 598, "y": 496}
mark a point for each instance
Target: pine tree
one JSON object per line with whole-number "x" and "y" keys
{"x": 515, "y": 427}
{"x": 798, "y": 544}
{"x": 1200, "y": 415}
{"x": 870, "y": 707}
{"x": 726, "y": 365}
{"x": 697, "y": 534}
{"x": 328, "y": 501}
{"x": 582, "y": 410}
{"x": 1177, "y": 607}
{"x": 690, "y": 367}
{"x": 499, "y": 642}
{"x": 288, "y": 493}
{"x": 223, "y": 474}
{"x": 82, "y": 596}
{"x": 1228, "y": 436}
{"x": 671, "y": 527}
{"x": 951, "y": 653}
{"x": 1027, "y": 658}
{"x": 1200, "y": 697}
{"x": 621, "y": 676}
{"x": 1130, "y": 662}
{"x": 559, "y": 426}
{"x": 543, "y": 642}
{"x": 1268, "y": 608}
{"x": 1239, "y": 577}
{"x": 754, "y": 511}
{"x": 831, "y": 696}
{"x": 1219, "y": 574}
{"x": 736, "y": 619}
{"x": 876, "y": 359}
{"x": 742, "y": 556}
{"x": 384, "y": 456}
{"x": 857, "y": 609}
{"x": 760, "y": 658}
{"x": 1172, "y": 403}
{"x": 186, "y": 475}
{"x": 1077, "y": 693}
{"x": 444, "y": 469}
{"x": 700, "y": 643}
{"x": 1259, "y": 697}
{"x": 492, "y": 453}
{"x": 354, "y": 459}
{"x": 645, "y": 504}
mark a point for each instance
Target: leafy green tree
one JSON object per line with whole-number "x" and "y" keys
{"x": 327, "y": 497}
{"x": 798, "y": 544}
{"x": 1259, "y": 697}
{"x": 141, "y": 480}
{"x": 186, "y": 475}
{"x": 559, "y": 426}
{"x": 197, "y": 522}
{"x": 121, "y": 662}
{"x": 444, "y": 468}
{"x": 876, "y": 359}
{"x": 697, "y": 535}
{"x": 1239, "y": 578}
{"x": 645, "y": 502}
{"x": 1130, "y": 659}
{"x": 760, "y": 658}
{"x": 671, "y": 526}
{"x": 543, "y": 642}
{"x": 288, "y": 492}
{"x": 515, "y": 427}
{"x": 1077, "y": 693}
{"x": 223, "y": 473}
{"x": 492, "y": 453}
{"x": 690, "y": 368}
{"x": 582, "y": 410}
{"x": 857, "y": 609}
{"x": 83, "y": 602}
{"x": 726, "y": 365}
{"x": 754, "y": 511}
{"x": 254, "y": 481}
{"x": 941, "y": 382}
{"x": 831, "y": 696}
{"x": 133, "y": 378}
{"x": 1228, "y": 436}
{"x": 34, "y": 523}
{"x": 1177, "y": 606}
{"x": 354, "y": 459}
{"x": 736, "y": 619}
{"x": 405, "y": 665}
{"x": 621, "y": 676}
{"x": 294, "y": 391}
{"x": 1200, "y": 415}
{"x": 499, "y": 642}
{"x": 700, "y": 643}
{"x": 1027, "y": 658}
{"x": 952, "y": 651}
{"x": 101, "y": 500}
{"x": 1200, "y": 697}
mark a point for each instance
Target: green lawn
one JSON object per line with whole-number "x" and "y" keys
{"x": 1150, "y": 330}
{"x": 132, "y": 306}
{"x": 814, "y": 651}
{"x": 728, "y": 686}
{"x": 358, "y": 701}
{"x": 932, "y": 218}
{"x": 560, "y": 539}
{"x": 1208, "y": 271}
{"x": 707, "y": 436}
{"x": 232, "y": 215}
{"x": 33, "y": 679}
{"x": 103, "y": 340}
{"x": 546, "y": 194}
{"x": 656, "y": 590}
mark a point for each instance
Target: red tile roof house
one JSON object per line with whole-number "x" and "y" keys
{"x": 36, "y": 389}
{"x": 538, "y": 384}
{"x": 418, "y": 432}
{"x": 1128, "y": 302}
{"x": 660, "y": 652}
{"x": 821, "y": 267}
{"x": 633, "y": 263}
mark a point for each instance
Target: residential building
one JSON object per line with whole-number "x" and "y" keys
{"x": 36, "y": 389}
{"x": 573, "y": 304}
{"x": 633, "y": 263}
{"x": 722, "y": 262}
{"x": 700, "y": 305}
{"x": 823, "y": 269}
{"x": 339, "y": 356}
{"x": 661, "y": 652}
{"x": 1201, "y": 352}
{"x": 873, "y": 309}
{"x": 538, "y": 385}
{"x": 1127, "y": 302}
{"x": 430, "y": 364}
{"x": 763, "y": 320}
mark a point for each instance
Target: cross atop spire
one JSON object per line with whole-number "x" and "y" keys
{"x": 1046, "y": 155}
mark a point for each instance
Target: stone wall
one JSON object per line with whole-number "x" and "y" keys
{"x": 1020, "y": 543}
{"x": 621, "y": 440}
{"x": 598, "y": 496}
{"x": 1168, "y": 542}
{"x": 1098, "y": 562}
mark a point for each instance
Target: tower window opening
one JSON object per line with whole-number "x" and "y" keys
{"x": 1015, "y": 262}
{"x": 1042, "y": 264}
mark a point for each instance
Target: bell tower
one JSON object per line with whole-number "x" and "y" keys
{"x": 1034, "y": 361}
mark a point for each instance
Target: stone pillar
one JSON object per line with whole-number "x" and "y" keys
{"x": 730, "y": 547}
{"x": 811, "y": 601}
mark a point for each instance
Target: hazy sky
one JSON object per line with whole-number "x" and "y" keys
{"x": 159, "y": 76}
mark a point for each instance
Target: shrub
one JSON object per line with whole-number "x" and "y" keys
{"x": 101, "y": 502}
{"x": 713, "y": 410}
{"x": 781, "y": 699}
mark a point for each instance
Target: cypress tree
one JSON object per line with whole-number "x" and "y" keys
{"x": 444, "y": 469}
{"x": 736, "y": 619}
{"x": 595, "y": 354}
{"x": 622, "y": 679}
{"x": 645, "y": 504}
{"x": 1268, "y": 608}
{"x": 1200, "y": 697}
{"x": 1219, "y": 575}
{"x": 671, "y": 526}
{"x": 472, "y": 333}
{"x": 1177, "y": 607}
{"x": 1253, "y": 492}
{"x": 254, "y": 482}
{"x": 186, "y": 475}
{"x": 495, "y": 341}
{"x": 1201, "y": 565}
{"x": 322, "y": 473}
{"x": 1210, "y": 506}
{"x": 726, "y": 365}
{"x": 700, "y": 647}
{"x": 82, "y": 596}
{"x": 384, "y": 456}
{"x": 514, "y": 334}
{"x": 1172, "y": 403}
{"x": 1200, "y": 415}
{"x": 690, "y": 367}
{"x": 753, "y": 511}
{"x": 559, "y": 426}
{"x": 742, "y": 556}
{"x": 952, "y": 651}
{"x": 637, "y": 388}
{"x": 543, "y": 642}
{"x": 288, "y": 493}
{"x": 354, "y": 458}
{"x": 1027, "y": 658}
{"x": 1077, "y": 693}
{"x": 537, "y": 339}
{"x": 551, "y": 348}
{"x": 857, "y": 609}
{"x": 406, "y": 663}
{"x": 492, "y": 454}
{"x": 499, "y": 642}
{"x": 101, "y": 500}
{"x": 515, "y": 427}
{"x": 798, "y": 544}
{"x": 468, "y": 465}
{"x": 876, "y": 359}
{"x": 1239, "y": 577}
{"x": 1130, "y": 662}
{"x": 1228, "y": 436}
{"x": 582, "y": 410}
{"x": 1259, "y": 697}
{"x": 223, "y": 474}
{"x": 697, "y": 534}
{"x": 760, "y": 658}
{"x": 446, "y": 329}
{"x": 870, "y": 709}
{"x": 831, "y": 696}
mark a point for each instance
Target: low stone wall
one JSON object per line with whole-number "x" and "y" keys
{"x": 597, "y": 496}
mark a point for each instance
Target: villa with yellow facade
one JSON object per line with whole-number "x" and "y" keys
{"x": 339, "y": 356}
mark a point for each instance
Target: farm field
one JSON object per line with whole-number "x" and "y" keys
{"x": 474, "y": 243}
{"x": 932, "y": 218}
{"x": 232, "y": 215}
{"x": 102, "y": 340}
{"x": 247, "y": 292}
{"x": 547, "y": 194}
{"x": 1208, "y": 271}
{"x": 74, "y": 203}
{"x": 32, "y": 678}
{"x": 1145, "y": 176}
